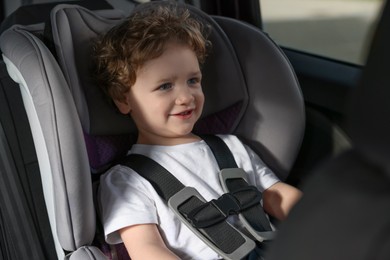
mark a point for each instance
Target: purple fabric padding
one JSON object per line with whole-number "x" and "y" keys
{"x": 219, "y": 123}
{"x": 112, "y": 252}
{"x": 102, "y": 150}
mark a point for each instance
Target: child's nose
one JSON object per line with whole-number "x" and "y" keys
{"x": 184, "y": 96}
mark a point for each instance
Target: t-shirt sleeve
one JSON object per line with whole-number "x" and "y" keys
{"x": 263, "y": 176}
{"x": 124, "y": 201}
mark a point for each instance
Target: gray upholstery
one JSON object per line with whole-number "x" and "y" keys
{"x": 274, "y": 118}
{"x": 86, "y": 252}
{"x": 72, "y": 30}
{"x": 57, "y": 134}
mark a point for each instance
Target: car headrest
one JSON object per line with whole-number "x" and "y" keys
{"x": 72, "y": 29}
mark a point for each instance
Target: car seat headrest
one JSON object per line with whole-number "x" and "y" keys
{"x": 74, "y": 29}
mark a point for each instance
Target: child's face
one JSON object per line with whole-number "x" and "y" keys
{"x": 167, "y": 99}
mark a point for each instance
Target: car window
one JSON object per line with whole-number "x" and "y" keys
{"x": 337, "y": 29}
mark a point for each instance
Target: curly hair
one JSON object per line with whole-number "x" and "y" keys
{"x": 123, "y": 50}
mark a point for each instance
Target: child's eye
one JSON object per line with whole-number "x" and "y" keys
{"x": 165, "y": 86}
{"x": 193, "y": 81}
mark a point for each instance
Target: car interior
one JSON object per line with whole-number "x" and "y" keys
{"x": 345, "y": 211}
{"x": 59, "y": 133}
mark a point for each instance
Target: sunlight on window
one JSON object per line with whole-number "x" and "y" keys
{"x": 338, "y": 29}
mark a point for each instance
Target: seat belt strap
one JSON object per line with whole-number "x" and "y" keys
{"x": 225, "y": 239}
{"x": 221, "y": 151}
{"x": 254, "y": 218}
{"x": 165, "y": 184}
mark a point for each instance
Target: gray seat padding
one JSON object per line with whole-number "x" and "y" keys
{"x": 57, "y": 135}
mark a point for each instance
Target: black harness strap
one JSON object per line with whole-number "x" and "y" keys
{"x": 165, "y": 184}
{"x": 221, "y": 151}
{"x": 255, "y": 215}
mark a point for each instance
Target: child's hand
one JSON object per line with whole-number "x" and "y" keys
{"x": 279, "y": 199}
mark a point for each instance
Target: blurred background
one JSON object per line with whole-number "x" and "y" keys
{"x": 336, "y": 29}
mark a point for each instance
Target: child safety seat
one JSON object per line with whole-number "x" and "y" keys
{"x": 251, "y": 92}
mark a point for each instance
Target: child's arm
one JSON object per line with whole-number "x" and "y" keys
{"x": 145, "y": 242}
{"x": 279, "y": 199}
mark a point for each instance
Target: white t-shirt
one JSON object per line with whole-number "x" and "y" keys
{"x": 128, "y": 199}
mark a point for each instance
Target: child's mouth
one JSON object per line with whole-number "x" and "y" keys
{"x": 185, "y": 114}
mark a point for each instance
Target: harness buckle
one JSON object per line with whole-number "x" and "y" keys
{"x": 217, "y": 210}
{"x": 189, "y": 193}
{"x": 227, "y": 204}
{"x": 226, "y": 176}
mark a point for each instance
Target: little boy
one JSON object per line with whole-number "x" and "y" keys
{"x": 149, "y": 67}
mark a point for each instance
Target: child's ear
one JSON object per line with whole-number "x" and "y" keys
{"x": 123, "y": 105}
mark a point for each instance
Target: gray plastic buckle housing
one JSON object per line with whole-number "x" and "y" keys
{"x": 186, "y": 193}
{"x": 238, "y": 173}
